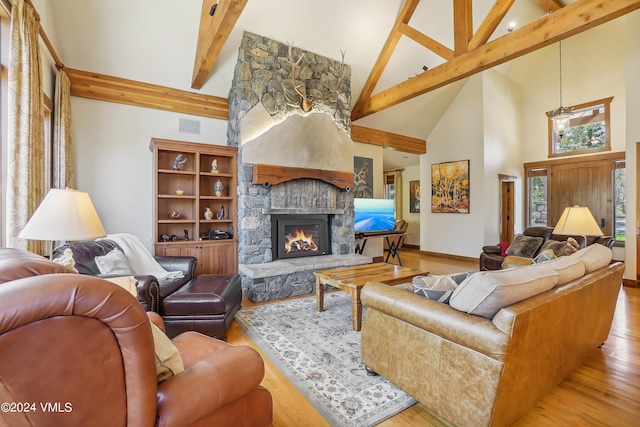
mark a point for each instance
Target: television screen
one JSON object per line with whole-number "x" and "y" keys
{"x": 374, "y": 214}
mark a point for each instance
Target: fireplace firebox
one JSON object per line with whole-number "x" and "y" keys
{"x": 295, "y": 236}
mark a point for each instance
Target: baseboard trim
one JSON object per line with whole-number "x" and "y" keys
{"x": 449, "y": 256}
{"x": 630, "y": 283}
{"x": 408, "y": 246}
{"x": 378, "y": 258}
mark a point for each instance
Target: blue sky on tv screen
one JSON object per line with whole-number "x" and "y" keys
{"x": 374, "y": 214}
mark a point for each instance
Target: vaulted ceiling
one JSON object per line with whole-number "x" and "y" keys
{"x": 178, "y": 44}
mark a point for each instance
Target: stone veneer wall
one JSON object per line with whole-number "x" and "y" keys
{"x": 262, "y": 75}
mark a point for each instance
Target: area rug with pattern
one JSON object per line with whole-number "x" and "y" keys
{"x": 319, "y": 353}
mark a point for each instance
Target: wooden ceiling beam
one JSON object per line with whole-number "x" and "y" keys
{"x": 384, "y": 139}
{"x": 566, "y": 22}
{"x": 462, "y": 25}
{"x": 114, "y": 89}
{"x": 490, "y": 23}
{"x": 387, "y": 50}
{"x": 426, "y": 41}
{"x": 212, "y": 35}
{"x": 549, "y": 5}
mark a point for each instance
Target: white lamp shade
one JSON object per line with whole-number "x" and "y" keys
{"x": 64, "y": 215}
{"x": 577, "y": 220}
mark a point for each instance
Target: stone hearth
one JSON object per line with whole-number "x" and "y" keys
{"x": 268, "y": 126}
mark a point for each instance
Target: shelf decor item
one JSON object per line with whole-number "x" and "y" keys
{"x": 179, "y": 191}
{"x": 221, "y": 213}
{"x": 174, "y": 215}
{"x": 218, "y": 188}
{"x": 208, "y": 214}
{"x": 214, "y": 166}
{"x": 179, "y": 161}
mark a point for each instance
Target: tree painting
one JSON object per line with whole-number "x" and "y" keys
{"x": 450, "y": 187}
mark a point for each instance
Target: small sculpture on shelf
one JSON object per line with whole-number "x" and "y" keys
{"x": 174, "y": 215}
{"x": 179, "y": 191}
{"x": 179, "y": 161}
{"x": 218, "y": 188}
{"x": 221, "y": 213}
{"x": 208, "y": 213}
{"x": 186, "y": 234}
{"x": 214, "y": 166}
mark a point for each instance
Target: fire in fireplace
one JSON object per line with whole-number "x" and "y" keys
{"x": 300, "y": 235}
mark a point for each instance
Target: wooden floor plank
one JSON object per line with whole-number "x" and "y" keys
{"x": 604, "y": 391}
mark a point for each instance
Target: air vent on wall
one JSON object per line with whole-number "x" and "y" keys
{"x": 190, "y": 126}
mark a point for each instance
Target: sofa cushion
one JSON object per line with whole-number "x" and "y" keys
{"x": 128, "y": 283}
{"x": 524, "y": 246}
{"x": 18, "y": 263}
{"x": 594, "y": 257}
{"x": 115, "y": 262}
{"x": 168, "y": 359}
{"x": 486, "y": 292}
{"x": 568, "y": 268}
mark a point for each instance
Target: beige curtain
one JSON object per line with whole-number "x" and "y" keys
{"x": 396, "y": 177}
{"x": 25, "y": 152}
{"x": 63, "y": 172}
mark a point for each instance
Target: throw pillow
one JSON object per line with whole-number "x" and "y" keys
{"x": 437, "y": 288}
{"x": 486, "y": 292}
{"x": 113, "y": 263}
{"x": 524, "y": 246}
{"x": 557, "y": 247}
{"x": 503, "y": 248}
{"x": 544, "y": 256}
{"x": 67, "y": 260}
{"x": 572, "y": 246}
{"x": 128, "y": 283}
{"x": 594, "y": 257}
{"x": 168, "y": 360}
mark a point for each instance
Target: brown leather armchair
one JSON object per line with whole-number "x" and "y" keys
{"x": 83, "y": 347}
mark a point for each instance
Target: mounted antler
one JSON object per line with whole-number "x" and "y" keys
{"x": 307, "y": 101}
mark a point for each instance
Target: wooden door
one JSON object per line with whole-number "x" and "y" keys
{"x": 507, "y": 211}
{"x": 586, "y": 183}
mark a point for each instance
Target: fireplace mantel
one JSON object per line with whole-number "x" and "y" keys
{"x": 272, "y": 175}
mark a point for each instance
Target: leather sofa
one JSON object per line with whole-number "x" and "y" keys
{"x": 491, "y": 257}
{"x": 85, "y": 345}
{"x": 206, "y": 303}
{"x": 477, "y": 371}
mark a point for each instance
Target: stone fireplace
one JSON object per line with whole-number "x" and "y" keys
{"x": 291, "y": 164}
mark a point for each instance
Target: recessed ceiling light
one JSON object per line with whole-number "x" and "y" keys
{"x": 512, "y": 26}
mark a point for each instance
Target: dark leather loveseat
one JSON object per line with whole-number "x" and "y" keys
{"x": 206, "y": 303}
{"x": 491, "y": 257}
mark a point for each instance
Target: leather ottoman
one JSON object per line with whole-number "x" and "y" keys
{"x": 207, "y": 305}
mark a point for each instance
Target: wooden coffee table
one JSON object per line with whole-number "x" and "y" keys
{"x": 352, "y": 279}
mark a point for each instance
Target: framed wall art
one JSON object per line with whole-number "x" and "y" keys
{"x": 450, "y": 187}
{"x": 362, "y": 177}
{"x": 414, "y": 196}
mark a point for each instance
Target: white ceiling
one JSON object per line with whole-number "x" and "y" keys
{"x": 154, "y": 41}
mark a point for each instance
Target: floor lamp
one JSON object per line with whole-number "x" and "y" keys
{"x": 577, "y": 220}
{"x": 64, "y": 215}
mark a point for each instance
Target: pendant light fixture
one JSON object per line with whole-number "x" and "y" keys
{"x": 561, "y": 117}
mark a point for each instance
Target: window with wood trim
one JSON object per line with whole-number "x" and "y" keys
{"x": 588, "y": 130}
{"x": 597, "y": 182}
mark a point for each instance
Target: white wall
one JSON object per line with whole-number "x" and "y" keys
{"x": 114, "y": 163}
{"x": 458, "y": 136}
{"x": 502, "y": 150}
{"x": 632, "y": 142}
{"x": 412, "y": 173}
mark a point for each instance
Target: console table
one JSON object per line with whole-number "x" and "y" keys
{"x": 393, "y": 245}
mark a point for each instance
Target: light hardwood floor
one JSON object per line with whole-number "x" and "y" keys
{"x": 604, "y": 391}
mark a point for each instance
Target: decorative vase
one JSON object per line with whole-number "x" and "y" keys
{"x": 179, "y": 191}
{"x": 218, "y": 188}
{"x": 208, "y": 213}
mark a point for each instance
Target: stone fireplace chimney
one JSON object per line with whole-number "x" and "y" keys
{"x": 272, "y": 131}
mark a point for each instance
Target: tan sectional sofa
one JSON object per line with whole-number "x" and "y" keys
{"x": 472, "y": 370}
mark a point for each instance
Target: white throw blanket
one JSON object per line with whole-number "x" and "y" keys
{"x": 140, "y": 260}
